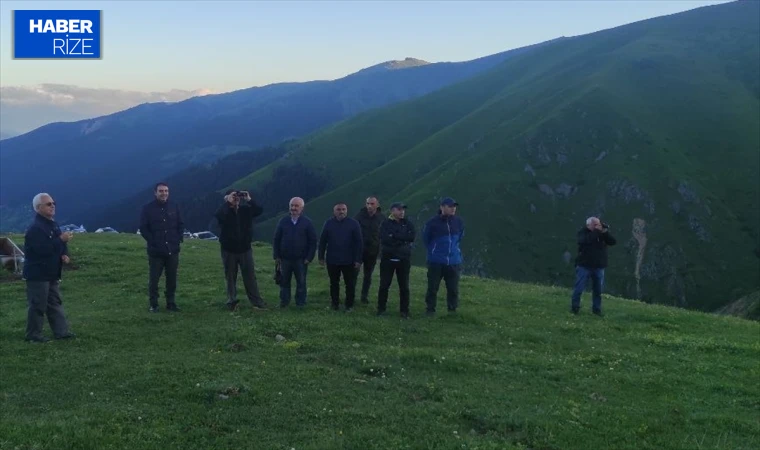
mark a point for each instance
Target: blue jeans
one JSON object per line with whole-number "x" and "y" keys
{"x": 582, "y": 274}
{"x": 293, "y": 268}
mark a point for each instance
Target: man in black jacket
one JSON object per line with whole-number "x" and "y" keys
{"x": 235, "y": 219}
{"x": 591, "y": 261}
{"x": 396, "y": 235}
{"x": 342, "y": 239}
{"x": 369, "y": 218}
{"x": 45, "y": 250}
{"x": 162, "y": 228}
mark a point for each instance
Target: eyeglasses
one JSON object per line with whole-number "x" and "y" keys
{"x": 49, "y": 204}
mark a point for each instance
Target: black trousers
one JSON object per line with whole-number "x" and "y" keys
{"x": 157, "y": 264}
{"x": 369, "y": 260}
{"x": 450, "y": 275}
{"x": 387, "y": 269}
{"x": 243, "y": 261}
{"x": 348, "y": 272}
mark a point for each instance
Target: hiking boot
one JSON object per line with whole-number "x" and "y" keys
{"x": 259, "y": 305}
{"x": 68, "y": 335}
{"x": 598, "y": 313}
{"x": 232, "y": 306}
{"x": 40, "y": 339}
{"x": 404, "y": 315}
{"x": 173, "y": 308}
{"x": 153, "y": 309}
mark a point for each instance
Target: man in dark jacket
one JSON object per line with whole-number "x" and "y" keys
{"x": 591, "y": 261}
{"x": 293, "y": 248}
{"x": 235, "y": 219}
{"x": 369, "y": 218}
{"x": 162, "y": 228}
{"x": 442, "y": 236}
{"x": 396, "y": 235}
{"x": 342, "y": 239}
{"x": 45, "y": 251}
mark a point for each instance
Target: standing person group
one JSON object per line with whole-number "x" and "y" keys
{"x": 347, "y": 244}
{"x": 344, "y": 246}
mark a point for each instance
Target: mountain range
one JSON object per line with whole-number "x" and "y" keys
{"x": 25, "y": 108}
{"x": 117, "y": 155}
{"x": 654, "y": 126}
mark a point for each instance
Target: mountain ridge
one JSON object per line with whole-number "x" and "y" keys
{"x": 198, "y": 130}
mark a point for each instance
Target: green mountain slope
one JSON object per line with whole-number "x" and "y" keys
{"x": 654, "y": 125}
{"x": 512, "y": 370}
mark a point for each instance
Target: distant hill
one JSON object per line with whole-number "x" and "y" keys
{"x": 115, "y": 156}
{"x": 653, "y": 125}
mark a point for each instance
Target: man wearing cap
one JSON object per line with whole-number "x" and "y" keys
{"x": 442, "y": 236}
{"x": 341, "y": 239}
{"x": 370, "y": 219}
{"x": 396, "y": 236}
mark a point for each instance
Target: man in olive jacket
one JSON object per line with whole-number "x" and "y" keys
{"x": 235, "y": 219}
{"x": 45, "y": 252}
{"x": 369, "y": 218}
{"x": 162, "y": 228}
{"x": 397, "y": 235}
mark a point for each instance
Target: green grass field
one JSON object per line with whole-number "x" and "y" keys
{"x": 513, "y": 370}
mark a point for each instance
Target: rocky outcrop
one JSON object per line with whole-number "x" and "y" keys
{"x": 640, "y": 235}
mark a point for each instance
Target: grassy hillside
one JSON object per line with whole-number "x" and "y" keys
{"x": 655, "y": 126}
{"x": 513, "y": 370}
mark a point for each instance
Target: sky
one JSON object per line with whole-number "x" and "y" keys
{"x": 227, "y": 45}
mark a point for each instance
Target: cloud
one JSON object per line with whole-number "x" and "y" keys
{"x": 24, "y": 108}
{"x": 65, "y": 95}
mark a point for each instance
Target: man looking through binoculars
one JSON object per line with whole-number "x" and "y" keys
{"x": 235, "y": 219}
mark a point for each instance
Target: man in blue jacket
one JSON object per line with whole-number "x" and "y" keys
{"x": 45, "y": 251}
{"x": 342, "y": 239}
{"x": 442, "y": 236}
{"x": 162, "y": 228}
{"x": 293, "y": 248}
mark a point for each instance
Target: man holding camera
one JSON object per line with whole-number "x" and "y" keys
{"x": 235, "y": 219}
{"x": 162, "y": 228}
{"x": 591, "y": 261}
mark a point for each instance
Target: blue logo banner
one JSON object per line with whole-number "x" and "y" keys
{"x": 57, "y": 34}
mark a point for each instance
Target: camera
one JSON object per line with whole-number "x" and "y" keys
{"x": 605, "y": 225}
